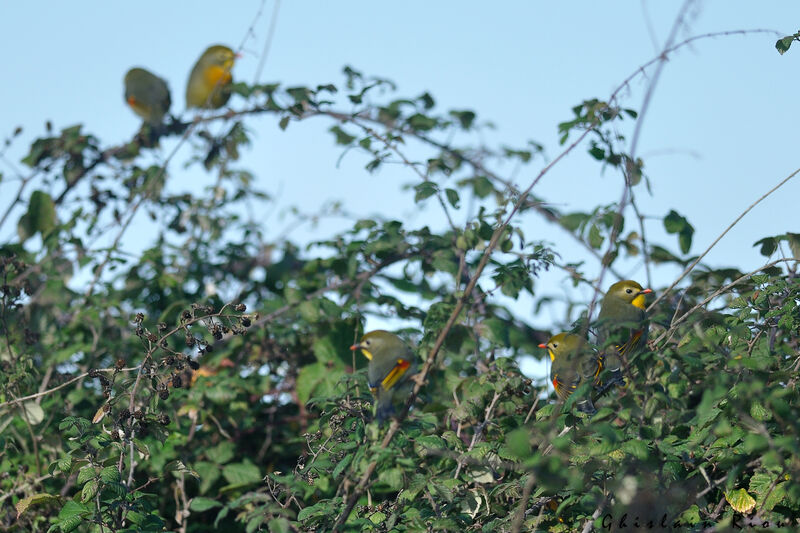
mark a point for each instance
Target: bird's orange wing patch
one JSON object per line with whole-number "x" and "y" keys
{"x": 395, "y": 374}
{"x": 562, "y": 390}
{"x": 632, "y": 342}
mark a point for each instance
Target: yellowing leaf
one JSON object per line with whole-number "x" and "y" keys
{"x": 740, "y": 500}
{"x": 34, "y": 499}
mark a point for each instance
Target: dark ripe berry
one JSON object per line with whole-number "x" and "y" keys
{"x": 124, "y": 414}
{"x": 120, "y": 364}
{"x": 163, "y": 419}
{"x": 193, "y": 364}
{"x": 115, "y": 435}
{"x": 186, "y": 315}
{"x": 139, "y": 318}
{"x": 138, "y": 414}
{"x": 169, "y": 360}
{"x": 209, "y": 348}
{"x": 152, "y": 337}
{"x": 103, "y": 380}
{"x": 190, "y": 340}
{"x": 217, "y": 335}
{"x": 163, "y": 394}
{"x": 240, "y": 308}
{"x": 139, "y": 331}
{"x": 93, "y": 373}
{"x": 246, "y": 321}
{"x": 162, "y": 326}
{"x": 177, "y": 381}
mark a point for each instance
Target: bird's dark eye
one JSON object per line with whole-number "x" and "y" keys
{"x": 629, "y": 291}
{"x": 555, "y": 345}
{"x": 367, "y": 342}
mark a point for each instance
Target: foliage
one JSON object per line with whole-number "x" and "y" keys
{"x": 205, "y": 379}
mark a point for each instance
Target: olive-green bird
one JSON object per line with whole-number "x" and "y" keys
{"x": 209, "y": 85}
{"x": 621, "y": 326}
{"x": 573, "y": 361}
{"x": 147, "y": 95}
{"x": 391, "y": 365}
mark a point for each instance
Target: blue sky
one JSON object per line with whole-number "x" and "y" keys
{"x": 721, "y": 129}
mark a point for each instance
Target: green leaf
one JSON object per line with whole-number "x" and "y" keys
{"x": 452, "y": 197}
{"x": 768, "y": 246}
{"x": 595, "y": 237}
{"x": 200, "y": 504}
{"x": 342, "y": 137}
{"x": 782, "y": 45}
{"x": 40, "y": 217}
{"x": 89, "y": 490}
{"x": 424, "y": 190}
{"x": 518, "y": 441}
{"x": 241, "y": 473}
{"x": 673, "y": 222}
{"x": 279, "y": 525}
{"x": 85, "y": 474}
{"x": 221, "y": 453}
{"x": 110, "y": 474}
{"x": 32, "y": 412}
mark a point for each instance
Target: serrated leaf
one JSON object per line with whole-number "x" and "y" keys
{"x": 110, "y": 474}
{"x": 85, "y": 474}
{"x": 89, "y": 490}
{"x": 740, "y": 500}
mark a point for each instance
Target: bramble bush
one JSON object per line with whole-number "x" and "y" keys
{"x": 205, "y": 380}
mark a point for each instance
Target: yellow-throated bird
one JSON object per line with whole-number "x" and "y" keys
{"x": 573, "y": 361}
{"x": 147, "y": 95}
{"x": 621, "y": 326}
{"x": 391, "y": 364}
{"x": 209, "y": 85}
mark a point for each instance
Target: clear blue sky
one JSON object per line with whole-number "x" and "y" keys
{"x": 721, "y": 129}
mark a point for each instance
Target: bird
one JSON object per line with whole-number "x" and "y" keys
{"x": 209, "y": 85}
{"x": 573, "y": 362}
{"x": 391, "y": 365}
{"x": 621, "y": 327}
{"x": 147, "y": 94}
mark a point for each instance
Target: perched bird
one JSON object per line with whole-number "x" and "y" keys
{"x": 147, "y": 95}
{"x": 621, "y": 326}
{"x": 573, "y": 361}
{"x": 209, "y": 85}
{"x": 391, "y": 364}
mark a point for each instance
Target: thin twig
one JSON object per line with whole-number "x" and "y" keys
{"x": 730, "y": 226}
{"x": 719, "y": 291}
